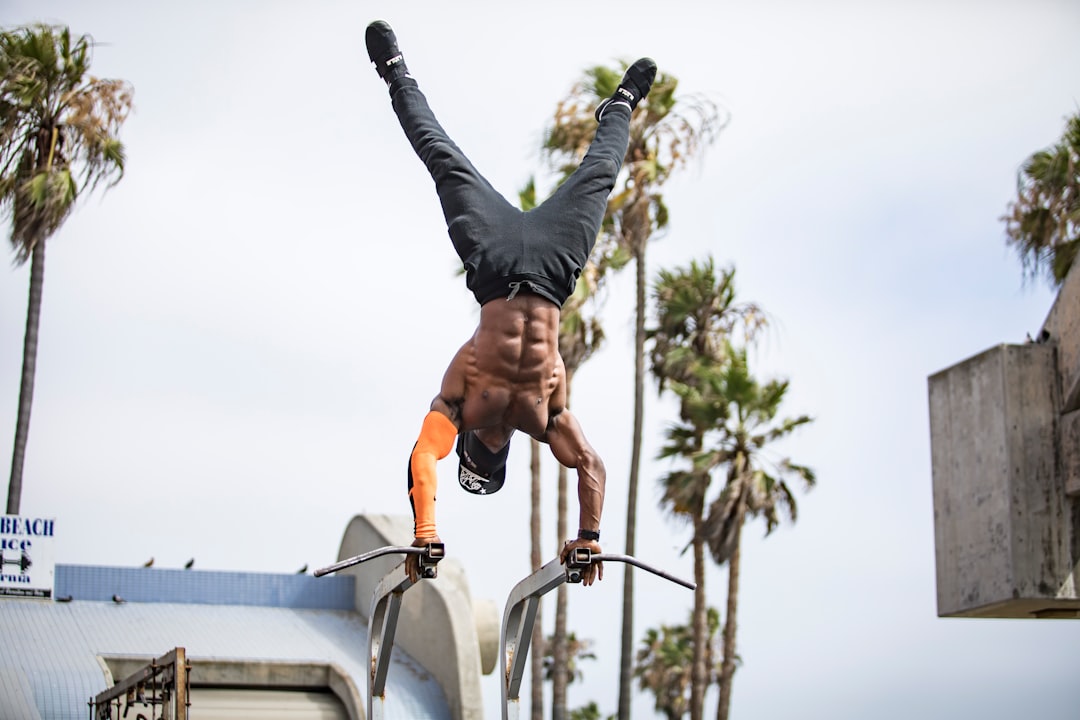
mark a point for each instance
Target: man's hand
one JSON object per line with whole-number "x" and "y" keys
{"x": 412, "y": 560}
{"x": 595, "y": 571}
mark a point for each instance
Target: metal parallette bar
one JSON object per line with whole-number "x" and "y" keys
{"x": 520, "y": 613}
{"x": 518, "y": 619}
{"x": 382, "y": 625}
{"x": 385, "y": 607}
{"x": 429, "y": 556}
{"x": 630, "y": 560}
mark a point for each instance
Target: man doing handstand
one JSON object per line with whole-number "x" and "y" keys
{"x": 521, "y": 268}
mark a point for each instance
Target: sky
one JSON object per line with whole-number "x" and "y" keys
{"x": 240, "y": 340}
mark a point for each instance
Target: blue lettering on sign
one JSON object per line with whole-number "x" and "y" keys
{"x": 34, "y": 527}
{"x": 7, "y": 544}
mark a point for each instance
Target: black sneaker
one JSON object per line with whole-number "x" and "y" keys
{"x": 635, "y": 85}
{"x": 384, "y": 53}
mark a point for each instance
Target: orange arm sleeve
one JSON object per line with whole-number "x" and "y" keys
{"x": 435, "y": 442}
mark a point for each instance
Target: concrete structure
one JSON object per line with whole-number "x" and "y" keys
{"x": 1005, "y": 446}
{"x": 254, "y": 640}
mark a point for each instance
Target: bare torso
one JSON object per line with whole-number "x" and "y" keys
{"x": 509, "y": 375}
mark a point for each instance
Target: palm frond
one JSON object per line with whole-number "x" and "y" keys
{"x": 58, "y": 129}
{"x": 1043, "y": 222}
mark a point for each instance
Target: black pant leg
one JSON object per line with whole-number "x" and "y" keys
{"x": 475, "y": 212}
{"x": 571, "y": 217}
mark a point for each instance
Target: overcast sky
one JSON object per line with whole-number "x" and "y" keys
{"x": 240, "y": 340}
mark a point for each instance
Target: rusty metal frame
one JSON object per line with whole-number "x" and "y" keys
{"x": 167, "y": 678}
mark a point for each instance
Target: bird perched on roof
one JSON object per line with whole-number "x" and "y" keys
{"x": 149, "y": 563}
{"x": 302, "y": 570}
{"x": 118, "y": 600}
{"x": 188, "y": 565}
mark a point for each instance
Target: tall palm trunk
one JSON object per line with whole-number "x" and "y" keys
{"x": 535, "y": 561}
{"x": 560, "y": 656}
{"x": 698, "y": 676}
{"x": 46, "y": 152}
{"x": 26, "y": 384}
{"x": 727, "y": 667}
{"x": 625, "y": 675}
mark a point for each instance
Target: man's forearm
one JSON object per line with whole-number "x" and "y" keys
{"x": 590, "y": 498}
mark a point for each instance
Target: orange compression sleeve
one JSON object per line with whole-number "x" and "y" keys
{"x": 435, "y": 442}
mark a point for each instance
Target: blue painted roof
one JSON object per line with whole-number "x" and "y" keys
{"x": 49, "y": 649}
{"x": 149, "y": 585}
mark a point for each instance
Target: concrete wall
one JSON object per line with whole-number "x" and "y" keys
{"x": 1062, "y": 328}
{"x": 1005, "y": 453}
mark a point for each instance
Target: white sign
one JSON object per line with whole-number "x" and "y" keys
{"x": 26, "y": 556}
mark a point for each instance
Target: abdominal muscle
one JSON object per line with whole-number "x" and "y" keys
{"x": 512, "y": 365}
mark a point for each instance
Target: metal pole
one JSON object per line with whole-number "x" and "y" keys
{"x": 382, "y": 624}
{"x": 433, "y": 552}
{"x": 385, "y": 607}
{"x": 612, "y": 557}
{"x": 518, "y": 619}
{"x": 520, "y": 614}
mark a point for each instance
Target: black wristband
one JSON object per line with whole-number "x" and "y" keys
{"x": 588, "y": 534}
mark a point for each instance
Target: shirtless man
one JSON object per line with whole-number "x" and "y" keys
{"x": 521, "y": 267}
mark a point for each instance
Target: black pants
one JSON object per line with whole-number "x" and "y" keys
{"x": 502, "y": 248}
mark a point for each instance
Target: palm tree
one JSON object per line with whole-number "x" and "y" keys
{"x": 742, "y": 415}
{"x": 577, "y": 649}
{"x": 696, "y": 313}
{"x": 666, "y": 133}
{"x": 1043, "y": 223}
{"x": 589, "y": 711}
{"x": 580, "y": 336}
{"x": 664, "y": 664}
{"x": 568, "y": 664}
{"x": 58, "y": 140}
{"x": 536, "y": 688}
{"x": 527, "y": 201}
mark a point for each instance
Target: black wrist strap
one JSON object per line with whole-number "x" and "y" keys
{"x": 588, "y": 534}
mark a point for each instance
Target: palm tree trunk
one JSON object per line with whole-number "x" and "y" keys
{"x": 626, "y": 656}
{"x": 536, "y": 560}
{"x": 727, "y": 667}
{"x": 559, "y": 654}
{"x": 29, "y": 367}
{"x": 698, "y": 677}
